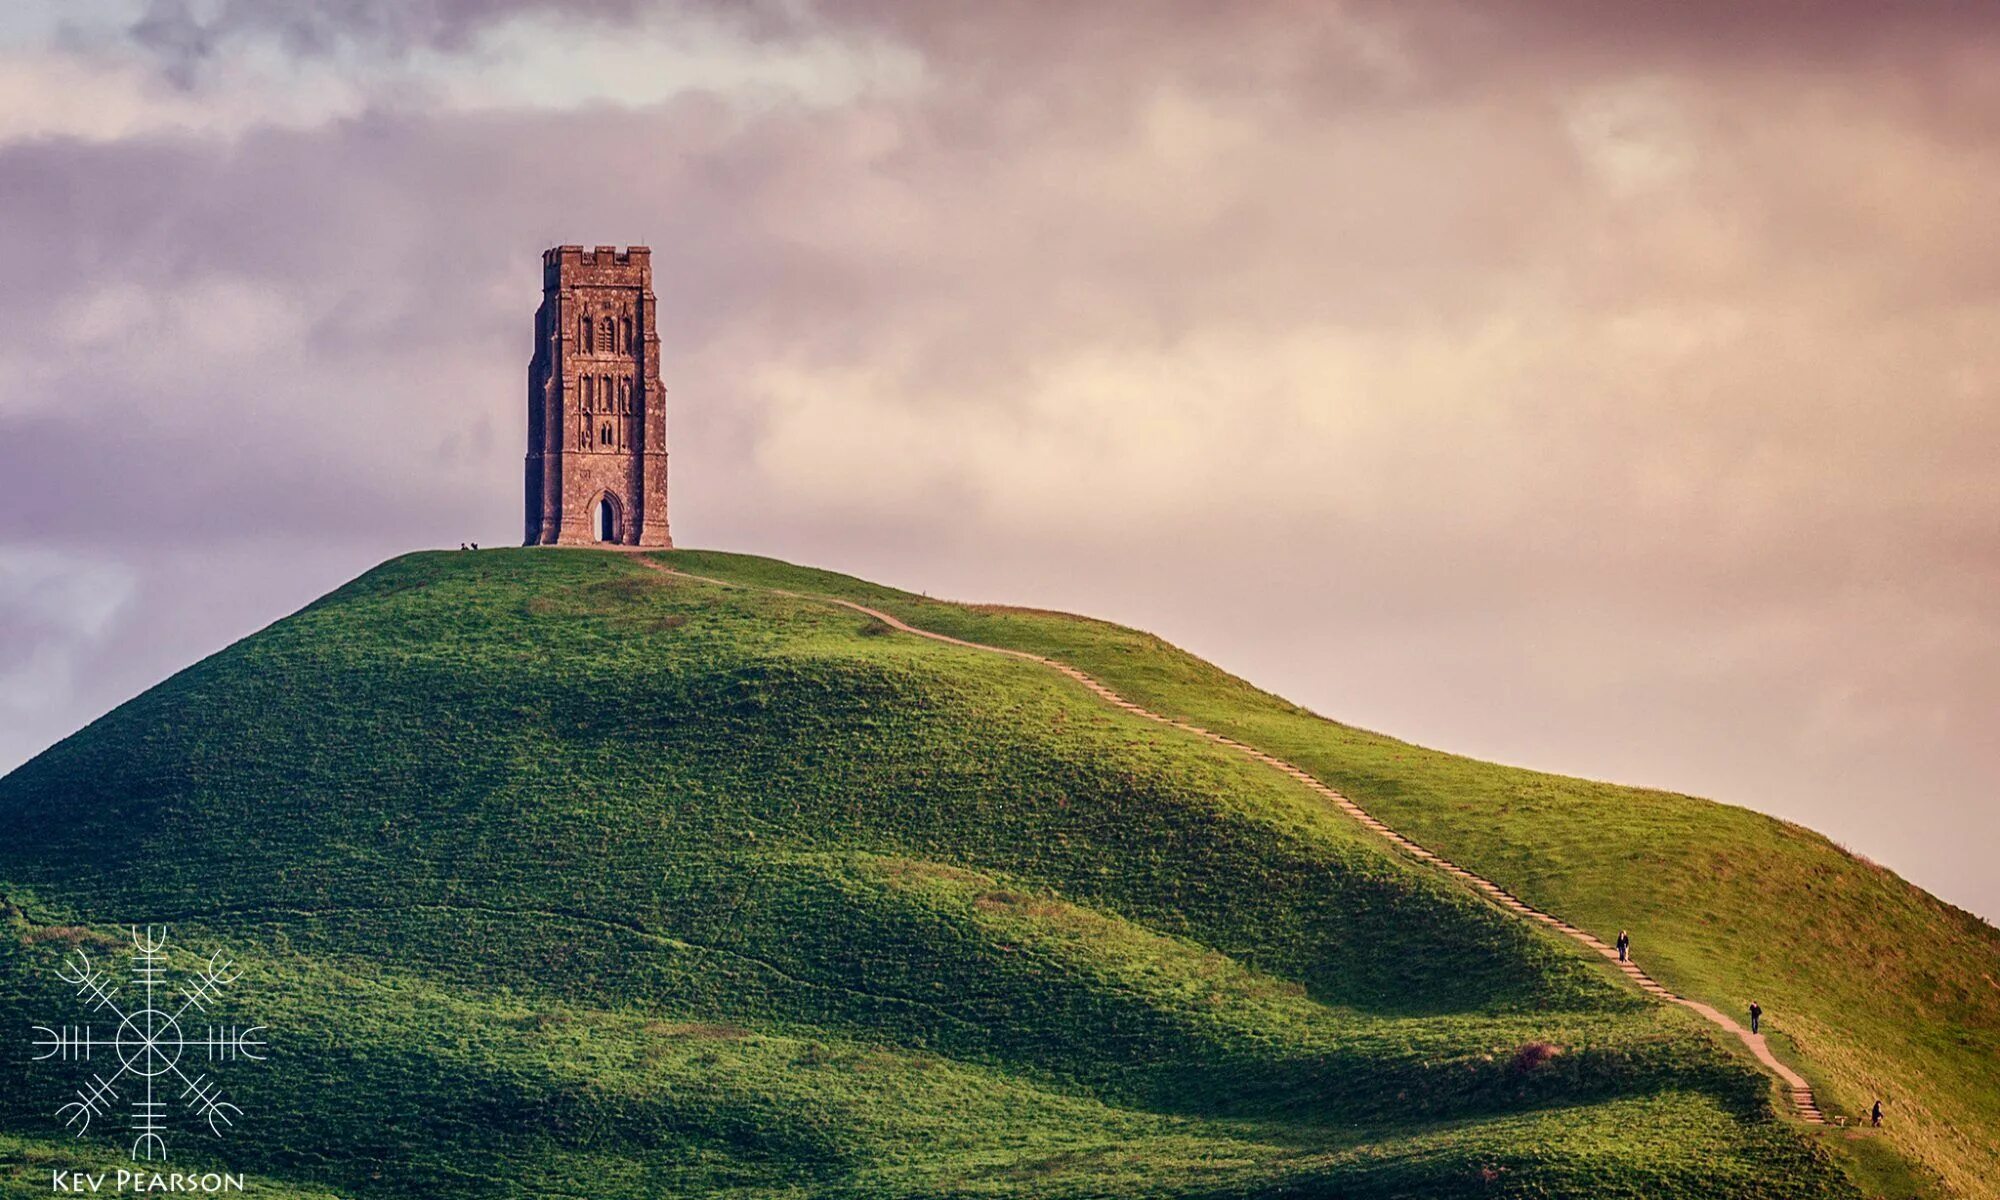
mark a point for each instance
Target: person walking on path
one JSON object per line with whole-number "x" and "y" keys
{"x": 1756, "y": 1015}
{"x": 1624, "y": 945}
{"x": 1875, "y": 1114}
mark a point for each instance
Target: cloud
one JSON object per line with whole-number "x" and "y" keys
{"x": 53, "y": 608}
{"x": 184, "y": 38}
{"x": 229, "y": 70}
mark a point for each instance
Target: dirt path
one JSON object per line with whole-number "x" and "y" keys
{"x": 1801, "y": 1092}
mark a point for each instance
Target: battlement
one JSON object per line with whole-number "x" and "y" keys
{"x": 597, "y": 264}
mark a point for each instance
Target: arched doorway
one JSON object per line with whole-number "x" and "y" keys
{"x": 607, "y": 519}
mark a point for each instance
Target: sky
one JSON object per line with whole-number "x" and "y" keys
{"x": 1612, "y": 389}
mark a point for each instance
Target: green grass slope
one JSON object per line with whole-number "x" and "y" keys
{"x": 1871, "y": 986}
{"x": 553, "y": 875}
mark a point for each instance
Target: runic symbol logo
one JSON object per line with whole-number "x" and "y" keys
{"x": 153, "y": 1052}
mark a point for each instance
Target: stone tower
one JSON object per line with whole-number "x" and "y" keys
{"x": 597, "y": 419}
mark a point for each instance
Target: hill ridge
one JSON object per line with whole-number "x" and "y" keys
{"x": 743, "y": 877}
{"x": 1800, "y": 1091}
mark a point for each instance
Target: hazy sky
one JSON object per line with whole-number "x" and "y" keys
{"x": 1611, "y": 388}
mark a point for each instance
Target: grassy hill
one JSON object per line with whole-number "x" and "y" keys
{"x": 554, "y": 875}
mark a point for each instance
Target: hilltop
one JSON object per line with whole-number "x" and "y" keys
{"x": 554, "y": 874}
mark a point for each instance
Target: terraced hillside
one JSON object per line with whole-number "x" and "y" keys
{"x": 554, "y": 875}
{"x": 1873, "y": 987}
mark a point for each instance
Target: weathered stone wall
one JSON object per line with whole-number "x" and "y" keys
{"x": 597, "y": 422}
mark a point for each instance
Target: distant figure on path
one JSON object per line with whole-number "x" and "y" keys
{"x": 1624, "y": 945}
{"x": 1875, "y": 1115}
{"x": 1756, "y": 1014}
